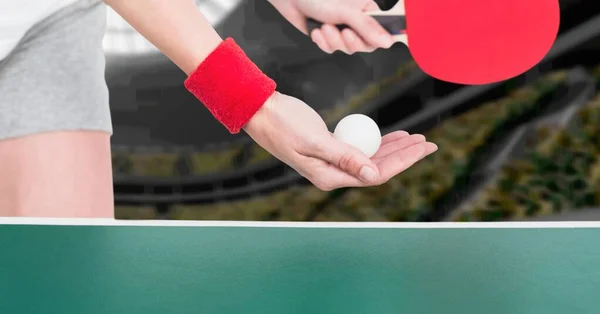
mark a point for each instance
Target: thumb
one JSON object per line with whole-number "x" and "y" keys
{"x": 348, "y": 159}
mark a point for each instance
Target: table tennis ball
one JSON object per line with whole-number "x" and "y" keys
{"x": 359, "y": 131}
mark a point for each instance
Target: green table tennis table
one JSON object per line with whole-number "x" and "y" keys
{"x": 107, "y": 266}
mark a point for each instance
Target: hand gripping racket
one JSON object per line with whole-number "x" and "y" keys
{"x": 472, "y": 42}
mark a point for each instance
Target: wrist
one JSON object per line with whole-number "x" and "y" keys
{"x": 261, "y": 117}
{"x": 230, "y": 85}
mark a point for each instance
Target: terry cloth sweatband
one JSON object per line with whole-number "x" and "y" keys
{"x": 230, "y": 85}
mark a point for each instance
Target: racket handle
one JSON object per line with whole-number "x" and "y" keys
{"x": 393, "y": 24}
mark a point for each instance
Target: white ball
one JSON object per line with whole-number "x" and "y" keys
{"x": 359, "y": 131}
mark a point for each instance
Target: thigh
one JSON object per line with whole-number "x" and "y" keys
{"x": 57, "y": 174}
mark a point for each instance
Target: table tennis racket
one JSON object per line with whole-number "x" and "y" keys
{"x": 471, "y": 42}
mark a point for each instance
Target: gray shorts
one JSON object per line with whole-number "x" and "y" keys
{"x": 54, "y": 79}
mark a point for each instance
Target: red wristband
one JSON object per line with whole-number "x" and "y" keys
{"x": 230, "y": 85}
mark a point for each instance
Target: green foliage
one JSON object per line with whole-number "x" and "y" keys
{"x": 560, "y": 172}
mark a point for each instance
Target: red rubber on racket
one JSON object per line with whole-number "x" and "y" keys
{"x": 472, "y": 42}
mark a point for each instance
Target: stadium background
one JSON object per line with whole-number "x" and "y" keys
{"x": 524, "y": 149}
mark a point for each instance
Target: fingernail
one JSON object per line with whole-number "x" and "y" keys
{"x": 367, "y": 174}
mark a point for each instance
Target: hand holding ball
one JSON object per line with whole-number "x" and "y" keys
{"x": 359, "y": 131}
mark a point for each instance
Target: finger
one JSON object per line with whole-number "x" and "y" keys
{"x": 400, "y": 161}
{"x": 367, "y": 28}
{"x": 319, "y": 39}
{"x": 345, "y": 157}
{"x": 330, "y": 177}
{"x": 430, "y": 148}
{"x": 393, "y": 136}
{"x": 334, "y": 38}
{"x": 399, "y": 144}
{"x": 355, "y": 43}
{"x": 333, "y": 177}
{"x": 324, "y": 175}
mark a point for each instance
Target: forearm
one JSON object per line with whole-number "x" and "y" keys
{"x": 219, "y": 73}
{"x": 175, "y": 27}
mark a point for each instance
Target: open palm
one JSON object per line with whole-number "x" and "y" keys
{"x": 297, "y": 135}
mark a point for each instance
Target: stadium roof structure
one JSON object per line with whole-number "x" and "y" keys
{"x": 122, "y": 39}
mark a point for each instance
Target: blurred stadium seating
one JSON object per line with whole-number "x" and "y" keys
{"x": 408, "y": 196}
